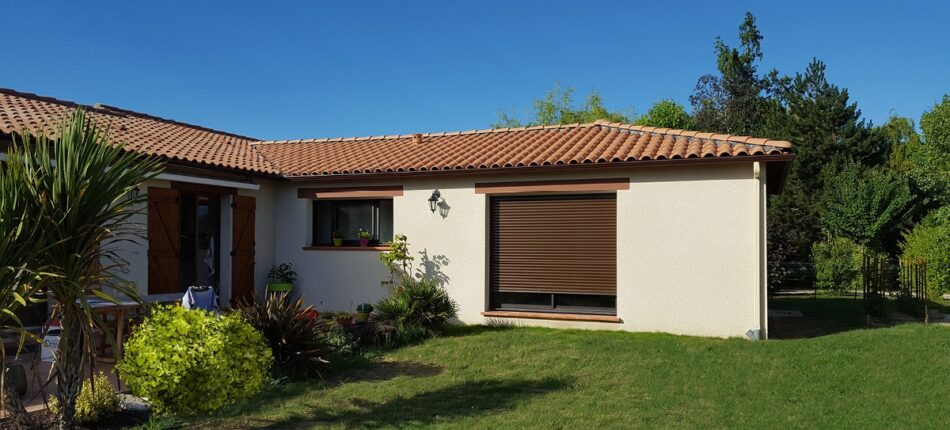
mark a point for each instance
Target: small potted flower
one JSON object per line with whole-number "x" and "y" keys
{"x": 364, "y": 236}
{"x": 337, "y": 238}
{"x": 281, "y": 278}
{"x": 363, "y": 311}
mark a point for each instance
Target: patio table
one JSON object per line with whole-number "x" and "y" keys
{"x": 119, "y": 311}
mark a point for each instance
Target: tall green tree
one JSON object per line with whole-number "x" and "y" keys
{"x": 931, "y": 162}
{"x": 738, "y": 100}
{"x": 558, "y": 107}
{"x": 903, "y": 140}
{"x": 935, "y": 124}
{"x": 867, "y": 206}
{"x": 76, "y": 188}
{"x": 827, "y": 128}
{"x": 666, "y": 113}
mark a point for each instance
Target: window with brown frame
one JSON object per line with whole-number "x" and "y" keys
{"x": 348, "y": 217}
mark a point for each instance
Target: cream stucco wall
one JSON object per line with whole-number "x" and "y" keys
{"x": 689, "y": 257}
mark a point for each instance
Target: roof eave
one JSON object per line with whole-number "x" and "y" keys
{"x": 775, "y": 158}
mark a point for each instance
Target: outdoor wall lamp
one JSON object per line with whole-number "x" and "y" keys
{"x": 434, "y": 200}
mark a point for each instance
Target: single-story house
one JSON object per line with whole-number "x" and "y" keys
{"x": 601, "y": 225}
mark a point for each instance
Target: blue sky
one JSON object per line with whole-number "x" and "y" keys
{"x": 327, "y": 69}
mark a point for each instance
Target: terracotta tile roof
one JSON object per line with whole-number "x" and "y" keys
{"x": 141, "y": 132}
{"x": 595, "y": 143}
{"x": 599, "y": 142}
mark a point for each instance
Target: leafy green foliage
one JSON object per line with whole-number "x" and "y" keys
{"x": 336, "y": 340}
{"x": 827, "y": 129}
{"x": 97, "y": 400}
{"x": 666, "y": 113}
{"x": 397, "y": 259}
{"x": 192, "y": 361}
{"x": 75, "y": 188}
{"x": 417, "y": 309}
{"x": 935, "y": 124}
{"x": 290, "y": 330}
{"x": 21, "y": 242}
{"x": 283, "y": 273}
{"x": 557, "y": 107}
{"x": 737, "y": 101}
{"x": 903, "y": 140}
{"x": 930, "y": 240}
{"x": 838, "y": 264}
{"x": 866, "y": 206}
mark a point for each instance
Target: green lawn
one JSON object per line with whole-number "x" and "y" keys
{"x": 543, "y": 378}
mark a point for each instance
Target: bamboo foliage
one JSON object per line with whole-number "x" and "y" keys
{"x": 76, "y": 189}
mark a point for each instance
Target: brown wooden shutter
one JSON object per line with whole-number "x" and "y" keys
{"x": 242, "y": 253}
{"x": 554, "y": 244}
{"x": 163, "y": 241}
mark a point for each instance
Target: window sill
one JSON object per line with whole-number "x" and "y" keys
{"x": 552, "y": 316}
{"x": 346, "y": 248}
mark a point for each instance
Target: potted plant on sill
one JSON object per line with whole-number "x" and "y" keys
{"x": 364, "y": 236}
{"x": 281, "y": 278}
{"x": 337, "y": 238}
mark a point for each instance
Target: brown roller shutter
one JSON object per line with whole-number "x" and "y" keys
{"x": 564, "y": 244}
{"x": 242, "y": 253}
{"x": 163, "y": 241}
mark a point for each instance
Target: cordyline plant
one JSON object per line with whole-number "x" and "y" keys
{"x": 291, "y": 330}
{"x": 76, "y": 187}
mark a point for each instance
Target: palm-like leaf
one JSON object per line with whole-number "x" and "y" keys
{"x": 76, "y": 188}
{"x": 417, "y": 309}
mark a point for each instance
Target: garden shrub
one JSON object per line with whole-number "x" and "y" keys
{"x": 291, "y": 331}
{"x": 93, "y": 404}
{"x": 838, "y": 264}
{"x": 336, "y": 339}
{"x": 930, "y": 240}
{"x": 417, "y": 309}
{"x": 192, "y": 361}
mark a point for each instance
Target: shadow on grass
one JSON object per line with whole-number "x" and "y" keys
{"x": 383, "y": 371}
{"x": 457, "y": 401}
{"x": 821, "y": 316}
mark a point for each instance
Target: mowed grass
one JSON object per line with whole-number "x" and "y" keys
{"x": 484, "y": 378}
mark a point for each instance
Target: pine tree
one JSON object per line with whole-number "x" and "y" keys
{"x": 827, "y": 129}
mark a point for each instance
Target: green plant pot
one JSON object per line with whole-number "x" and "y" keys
{"x": 337, "y": 242}
{"x": 279, "y": 287}
{"x": 362, "y": 317}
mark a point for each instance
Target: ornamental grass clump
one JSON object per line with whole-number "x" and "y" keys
{"x": 192, "y": 361}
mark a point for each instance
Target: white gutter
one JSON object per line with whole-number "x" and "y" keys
{"x": 208, "y": 181}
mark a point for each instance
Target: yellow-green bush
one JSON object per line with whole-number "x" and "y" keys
{"x": 192, "y": 361}
{"x": 93, "y": 404}
{"x": 930, "y": 240}
{"x": 838, "y": 264}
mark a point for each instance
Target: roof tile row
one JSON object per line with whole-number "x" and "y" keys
{"x": 598, "y": 142}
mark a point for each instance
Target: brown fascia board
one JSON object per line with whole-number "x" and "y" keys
{"x": 779, "y": 158}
